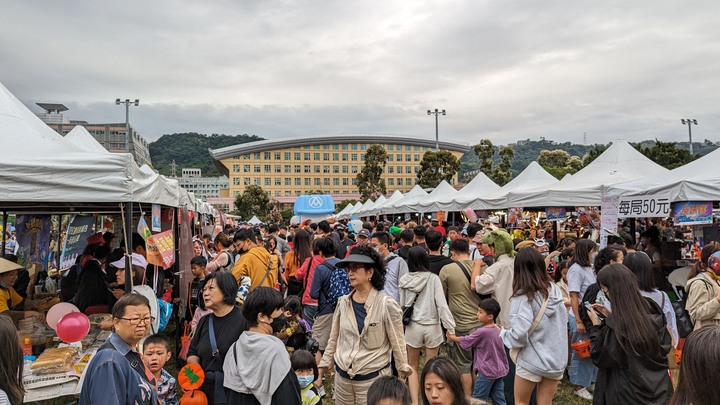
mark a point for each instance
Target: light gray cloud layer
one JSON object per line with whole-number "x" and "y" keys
{"x": 503, "y": 70}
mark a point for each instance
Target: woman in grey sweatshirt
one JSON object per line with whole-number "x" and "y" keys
{"x": 542, "y": 354}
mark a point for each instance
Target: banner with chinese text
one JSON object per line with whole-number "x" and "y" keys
{"x": 645, "y": 206}
{"x": 75, "y": 239}
{"x": 693, "y": 213}
{"x": 161, "y": 249}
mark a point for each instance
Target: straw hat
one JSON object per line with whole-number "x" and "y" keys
{"x": 7, "y": 266}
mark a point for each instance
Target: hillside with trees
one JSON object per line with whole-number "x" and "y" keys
{"x": 190, "y": 149}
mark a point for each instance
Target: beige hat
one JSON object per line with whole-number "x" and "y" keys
{"x": 524, "y": 244}
{"x": 8, "y": 266}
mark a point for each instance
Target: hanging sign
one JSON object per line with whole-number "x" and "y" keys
{"x": 608, "y": 222}
{"x": 644, "y": 206}
{"x": 693, "y": 213}
{"x": 156, "y": 218}
{"x": 515, "y": 217}
{"x": 161, "y": 249}
{"x": 555, "y": 213}
{"x": 75, "y": 240}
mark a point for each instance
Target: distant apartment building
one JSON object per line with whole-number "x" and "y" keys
{"x": 203, "y": 187}
{"x": 112, "y": 136}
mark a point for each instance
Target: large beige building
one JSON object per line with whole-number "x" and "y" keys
{"x": 286, "y": 168}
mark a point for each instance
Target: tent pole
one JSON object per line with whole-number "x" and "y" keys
{"x": 555, "y": 234}
{"x": 5, "y": 231}
{"x": 128, "y": 225}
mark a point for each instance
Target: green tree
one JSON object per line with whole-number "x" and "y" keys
{"x": 668, "y": 154}
{"x": 559, "y": 162}
{"x": 503, "y": 171}
{"x": 254, "y": 201}
{"x": 369, "y": 181}
{"x": 274, "y": 216}
{"x": 593, "y": 154}
{"x": 485, "y": 151}
{"x": 344, "y": 204}
{"x": 287, "y": 215}
{"x": 436, "y": 167}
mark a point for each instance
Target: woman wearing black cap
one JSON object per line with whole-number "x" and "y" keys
{"x": 367, "y": 330}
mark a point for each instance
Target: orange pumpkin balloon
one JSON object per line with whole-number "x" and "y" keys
{"x": 194, "y": 397}
{"x": 191, "y": 377}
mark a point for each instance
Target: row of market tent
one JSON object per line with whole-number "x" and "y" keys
{"x": 43, "y": 171}
{"x": 619, "y": 171}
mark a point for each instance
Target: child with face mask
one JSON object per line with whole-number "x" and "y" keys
{"x": 303, "y": 363}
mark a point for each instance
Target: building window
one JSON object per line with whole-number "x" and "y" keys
{"x": 297, "y": 168}
{"x": 398, "y": 157}
{"x": 246, "y": 157}
{"x": 345, "y": 181}
{"x": 353, "y": 146}
{"x": 408, "y": 182}
{"x": 335, "y": 146}
{"x": 236, "y": 168}
{"x": 391, "y": 169}
{"x": 362, "y": 157}
{"x": 306, "y": 156}
{"x": 287, "y": 155}
{"x": 317, "y": 146}
{"x": 398, "y": 169}
{"x": 278, "y": 182}
{"x": 306, "y": 168}
{"x": 354, "y": 169}
{"x": 288, "y": 181}
{"x": 316, "y": 169}
{"x": 326, "y": 146}
{"x": 336, "y": 181}
{"x": 362, "y": 146}
{"x": 278, "y": 169}
{"x": 391, "y": 182}
{"x": 417, "y": 169}
{"x": 317, "y": 181}
{"x": 236, "y": 181}
{"x": 256, "y": 155}
{"x": 344, "y": 169}
{"x": 326, "y": 156}
{"x": 344, "y": 157}
{"x": 297, "y": 155}
{"x": 236, "y": 193}
{"x": 354, "y": 157}
{"x": 277, "y": 155}
{"x": 267, "y": 155}
{"x": 246, "y": 181}
{"x": 307, "y": 181}
{"x": 257, "y": 168}
{"x": 399, "y": 181}
{"x": 246, "y": 168}
{"x": 316, "y": 156}
{"x": 354, "y": 181}
{"x": 408, "y": 158}
{"x": 326, "y": 169}
{"x": 391, "y": 158}
{"x": 277, "y": 194}
{"x": 267, "y": 169}
{"x": 326, "y": 181}
{"x": 416, "y": 148}
{"x": 288, "y": 193}
{"x": 408, "y": 169}
{"x": 345, "y": 146}
{"x": 267, "y": 181}
{"x": 298, "y": 182}
{"x": 287, "y": 168}
{"x": 257, "y": 181}
{"x": 336, "y": 157}
{"x": 416, "y": 158}
{"x": 336, "y": 169}
{"x": 391, "y": 147}
{"x": 407, "y": 148}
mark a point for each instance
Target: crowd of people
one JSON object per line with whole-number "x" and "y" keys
{"x": 291, "y": 315}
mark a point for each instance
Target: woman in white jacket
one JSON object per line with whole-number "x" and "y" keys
{"x": 422, "y": 290}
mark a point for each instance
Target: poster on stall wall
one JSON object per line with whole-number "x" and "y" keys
{"x": 161, "y": 249}
{"x": 168, "y": 217}
{"x": 156, "y": 221}
{"x": 33, "y": 238}
{"x": 608, "y": 223}
{"x": 75, "y": 239}
{"x": 693, "y": 213}
{"x": 589, "y": 217}
{"x": 555, "y": 214}
{"x": 515, "y": 217}
{"x": 407, "y": 216}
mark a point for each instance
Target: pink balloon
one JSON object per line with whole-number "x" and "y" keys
{"x": 59, "y": 310}
{"x": 73, "y": 327}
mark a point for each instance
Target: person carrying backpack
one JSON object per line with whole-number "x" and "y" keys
{"x": 328, "y": 284}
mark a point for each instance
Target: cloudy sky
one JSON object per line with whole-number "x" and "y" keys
{"x": 504, "y": 70}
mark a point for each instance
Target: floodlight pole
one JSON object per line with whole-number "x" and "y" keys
{"x": 689, "y": 122}
{"x": 127, "y": 103}
{"x": 436, "y": 113}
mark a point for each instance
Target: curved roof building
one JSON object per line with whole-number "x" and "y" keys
{"x": 330, "y": 163}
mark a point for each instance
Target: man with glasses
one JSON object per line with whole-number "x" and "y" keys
{"x": 116, "y": 374}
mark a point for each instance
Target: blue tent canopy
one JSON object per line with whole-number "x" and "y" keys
{"x": 316, "y": 204}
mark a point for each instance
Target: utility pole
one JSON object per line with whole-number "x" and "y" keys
{"x": 436, "y": 113}
{"x": 689, "y": 122}
{"x": 128, "y": 103}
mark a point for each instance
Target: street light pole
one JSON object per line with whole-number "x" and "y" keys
{"x": 127, "y": 103}
{"x": 689, "y": 122}
{"x": 436, "y": 113}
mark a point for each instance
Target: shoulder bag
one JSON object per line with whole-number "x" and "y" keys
{"x": 408, "y": 311}
{"x": 514, "y": 353}
{"x": 467, "y": 275}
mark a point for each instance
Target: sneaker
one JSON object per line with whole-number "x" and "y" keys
{"x": 584, "y": 394}
{"x": 591, "y": 388}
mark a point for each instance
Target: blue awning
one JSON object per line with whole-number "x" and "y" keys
{"x": 314, "y": 204}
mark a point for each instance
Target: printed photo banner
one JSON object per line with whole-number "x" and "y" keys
{"x": 693, "y": 213}
{"x": 156, "y": 221}
{"x": 645, "y": 206}
{"x": 161, "y": 249}
{"x": 515, "y": 217}
{"x": 75, "y": 239}
{"x": 33, "y": 237}
{"x": 555, "y": 214}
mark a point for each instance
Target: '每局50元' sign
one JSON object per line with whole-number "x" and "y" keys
{"x": 644, "y": 206}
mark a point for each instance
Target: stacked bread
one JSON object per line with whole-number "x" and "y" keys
{"x": 54, "y": 361}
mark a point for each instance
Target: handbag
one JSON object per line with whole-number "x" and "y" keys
{"x": 408, "y": 311}
{"x": 514, "y": 353}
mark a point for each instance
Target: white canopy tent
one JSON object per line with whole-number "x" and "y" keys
{"x": 479, "y": 186}
{"x": 378, "y": 209}
{"x": 430, "y": 204}
{"x": 341, "y": 214}
{"x": 695, "y": 181}
{"x": 620, "y": 162}
{"x": 254, "y": 221}
{"x": 532, "y": 177}
{"x": 368, "y": 211}
{"x": 355, "y": 209}
{"x": 412, "y": 197}
{"x": 361, "y": 211}
{"x": 82, "y": 139}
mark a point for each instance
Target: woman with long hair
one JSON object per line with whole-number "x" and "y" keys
{"x": 302, "y": 249}
{"x": 703, "y": 289}
{"x": 224, "y": 260}
{"x": 422, "y": 290}
{"x": 700, "y": 359}
{"x": 442, "y": 383}
{"x": 639, "y": 263}
{"x": 537, "y": 328}
{"x": 11, "y": 368}
{"x": 630, "y": 344}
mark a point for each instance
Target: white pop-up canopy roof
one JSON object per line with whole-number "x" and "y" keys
{"x": 363, "y": 208}
{"x": 341, "y": 214}
{"x": 368, "y": 211}
{"x": 83, "y": 140}
{"x": 480, "y": 186}
{"x": 412, "y": 197}
{"x": 620, "y": 162}
{"x": 379, "y": 208}
{"x": 532, "y": 177}
{"x": 695, "y": 181}
{"x": 356, "y": 208}
{"x": 430, "y": 204}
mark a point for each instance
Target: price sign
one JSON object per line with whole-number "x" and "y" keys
{"x": 646, "y": 206}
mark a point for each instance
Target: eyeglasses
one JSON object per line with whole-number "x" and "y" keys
{"x": 136, "y": 321}
{"x": 354, "y": 267}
